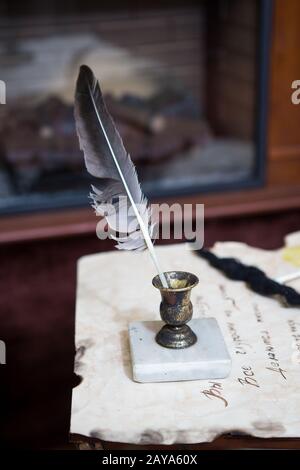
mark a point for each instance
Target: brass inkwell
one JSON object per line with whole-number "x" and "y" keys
{"x": 179, "y": 347}
{"x": 176, "y": 309}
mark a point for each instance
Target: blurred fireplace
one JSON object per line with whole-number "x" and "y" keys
{"x": 184, "y": 84}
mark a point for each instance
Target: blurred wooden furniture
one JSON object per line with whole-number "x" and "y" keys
{"x": 224, "y": 442}
{"x": 283, "y": 157}
{"x": 281, "y": 190}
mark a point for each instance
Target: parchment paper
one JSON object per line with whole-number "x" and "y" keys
{"x": 261, "y": 395}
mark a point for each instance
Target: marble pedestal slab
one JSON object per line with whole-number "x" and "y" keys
{"x": 208, "y": 358}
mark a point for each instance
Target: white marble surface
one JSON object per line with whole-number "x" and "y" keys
{"x": 261, "y": 395}
{"x": 208, "y": 358}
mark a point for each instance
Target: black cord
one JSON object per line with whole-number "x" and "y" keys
{"x": 254, "y": 277}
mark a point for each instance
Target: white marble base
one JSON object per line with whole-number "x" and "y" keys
{"x": 206, "y": 359}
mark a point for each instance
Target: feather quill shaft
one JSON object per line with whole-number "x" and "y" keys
{"x": 135, "y": 209}
{"x": 131, "y": 171}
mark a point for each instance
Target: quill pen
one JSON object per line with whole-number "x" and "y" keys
{"x": 106, "y": 159}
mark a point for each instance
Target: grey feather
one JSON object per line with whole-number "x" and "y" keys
{"x": 107, "y": 160}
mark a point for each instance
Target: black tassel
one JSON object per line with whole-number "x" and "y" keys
{"x": 254, "y": 277}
